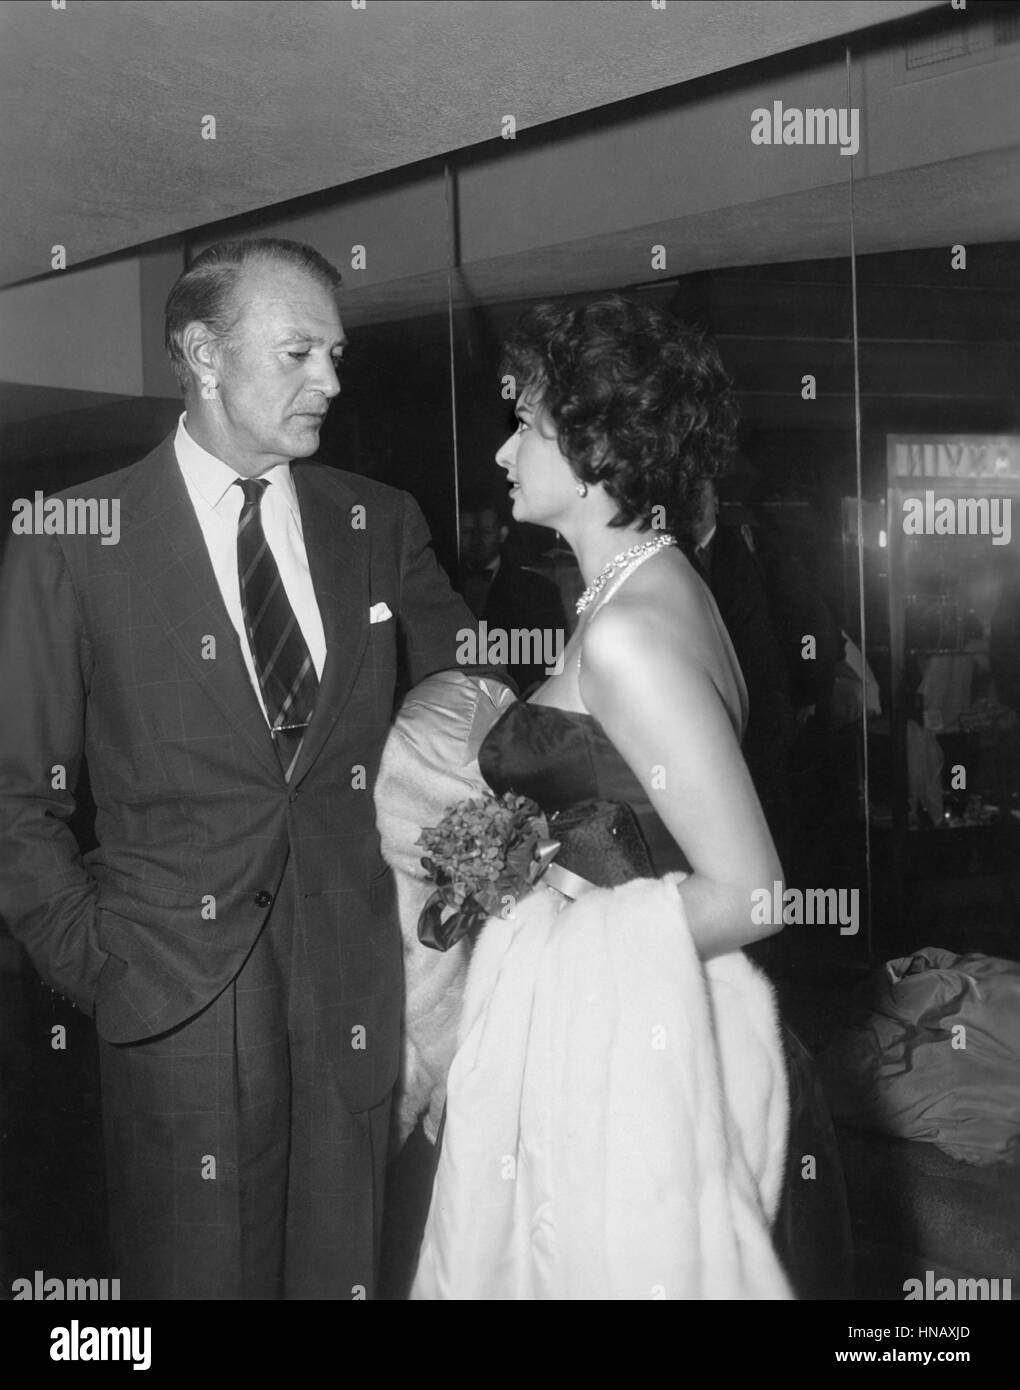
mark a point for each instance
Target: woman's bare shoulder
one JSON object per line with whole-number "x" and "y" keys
{"x": 661, "y": 630}
{"x": 662, "y": 603}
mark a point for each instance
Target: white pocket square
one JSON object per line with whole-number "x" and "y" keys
{"x": 378, "y": 613}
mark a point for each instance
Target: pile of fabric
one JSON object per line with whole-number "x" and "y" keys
{"x": 935, "y": 1056}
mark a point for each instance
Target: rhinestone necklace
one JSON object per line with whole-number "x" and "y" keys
{"x": 643, "y": 551}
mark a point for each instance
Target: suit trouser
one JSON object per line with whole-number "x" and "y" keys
{"x": 234, "y": 1168}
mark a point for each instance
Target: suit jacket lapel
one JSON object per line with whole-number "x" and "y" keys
{"x": 338, "y": 563}
{"x": 163, "y": 543}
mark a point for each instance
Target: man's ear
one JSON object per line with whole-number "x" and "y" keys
{"x": 201, "y": 350}
{"x": 504, "y": 531}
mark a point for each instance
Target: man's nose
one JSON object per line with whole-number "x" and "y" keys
{"x": 326, "y": 380}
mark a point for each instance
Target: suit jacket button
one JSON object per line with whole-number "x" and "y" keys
{"x": 263, "y": 898}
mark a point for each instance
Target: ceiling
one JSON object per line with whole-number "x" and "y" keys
{"x": 102, "y": 104}
{"x": 972, "y": 200}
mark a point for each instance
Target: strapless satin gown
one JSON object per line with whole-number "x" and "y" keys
{"x": 558, "y": 758}
{"x": 562, "y": 757}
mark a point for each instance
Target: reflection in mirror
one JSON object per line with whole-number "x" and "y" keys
{"x": 937, "y": 185}
{"x": 921, "y": 1077}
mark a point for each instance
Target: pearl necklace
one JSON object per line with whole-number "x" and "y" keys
{"x": 634, "y": 556}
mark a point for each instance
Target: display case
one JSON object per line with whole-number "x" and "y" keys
{"x": 954, "y": 630}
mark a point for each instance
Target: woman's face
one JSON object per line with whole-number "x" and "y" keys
{"x": 543, "y": 484}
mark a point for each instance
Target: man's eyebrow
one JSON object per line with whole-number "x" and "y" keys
{"x": 296, "y": 335}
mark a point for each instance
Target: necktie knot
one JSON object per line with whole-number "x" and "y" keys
{"x": 253, "y": 488}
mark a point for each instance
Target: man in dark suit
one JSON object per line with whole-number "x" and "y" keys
{"x": 227, "y": 670}
{"x": 506, "y": 595}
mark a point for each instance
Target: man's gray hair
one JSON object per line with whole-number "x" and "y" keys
{"x": 204, "y": 292}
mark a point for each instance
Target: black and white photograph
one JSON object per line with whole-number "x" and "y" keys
{"x": 510, "y": 650}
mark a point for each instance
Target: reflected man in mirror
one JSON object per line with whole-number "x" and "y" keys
{"x": 506, "y": 595}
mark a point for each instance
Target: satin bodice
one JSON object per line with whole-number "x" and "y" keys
{"x": 559, "y": 757}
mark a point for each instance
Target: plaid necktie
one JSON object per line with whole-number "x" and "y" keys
{"x": 283, "y": 664}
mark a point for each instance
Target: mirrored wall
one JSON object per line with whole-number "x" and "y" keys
{"x": 863, "y": 294}
{"x": 938, "y": 274}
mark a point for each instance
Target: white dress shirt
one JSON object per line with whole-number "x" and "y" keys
{"x": 217, "y": 505}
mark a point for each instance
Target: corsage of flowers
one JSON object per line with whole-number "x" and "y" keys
{"x": 484, "y": 855}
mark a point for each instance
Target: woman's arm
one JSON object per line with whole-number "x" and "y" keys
{"x": 660, "y": 706}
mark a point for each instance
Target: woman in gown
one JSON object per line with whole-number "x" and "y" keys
{"x": 622, "y": 412}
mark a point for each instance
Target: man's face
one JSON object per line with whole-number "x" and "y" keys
{"x": 481, "y": 536}
{"x": 277, "y": 371}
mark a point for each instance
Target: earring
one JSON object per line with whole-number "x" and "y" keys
{"x": 582, "y": 489}
{"x": 209, "y": 388}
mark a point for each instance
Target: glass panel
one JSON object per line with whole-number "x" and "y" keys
{"x": 938, "y": 273}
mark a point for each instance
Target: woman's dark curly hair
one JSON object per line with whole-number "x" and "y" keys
{"x": 640, "y": 402}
